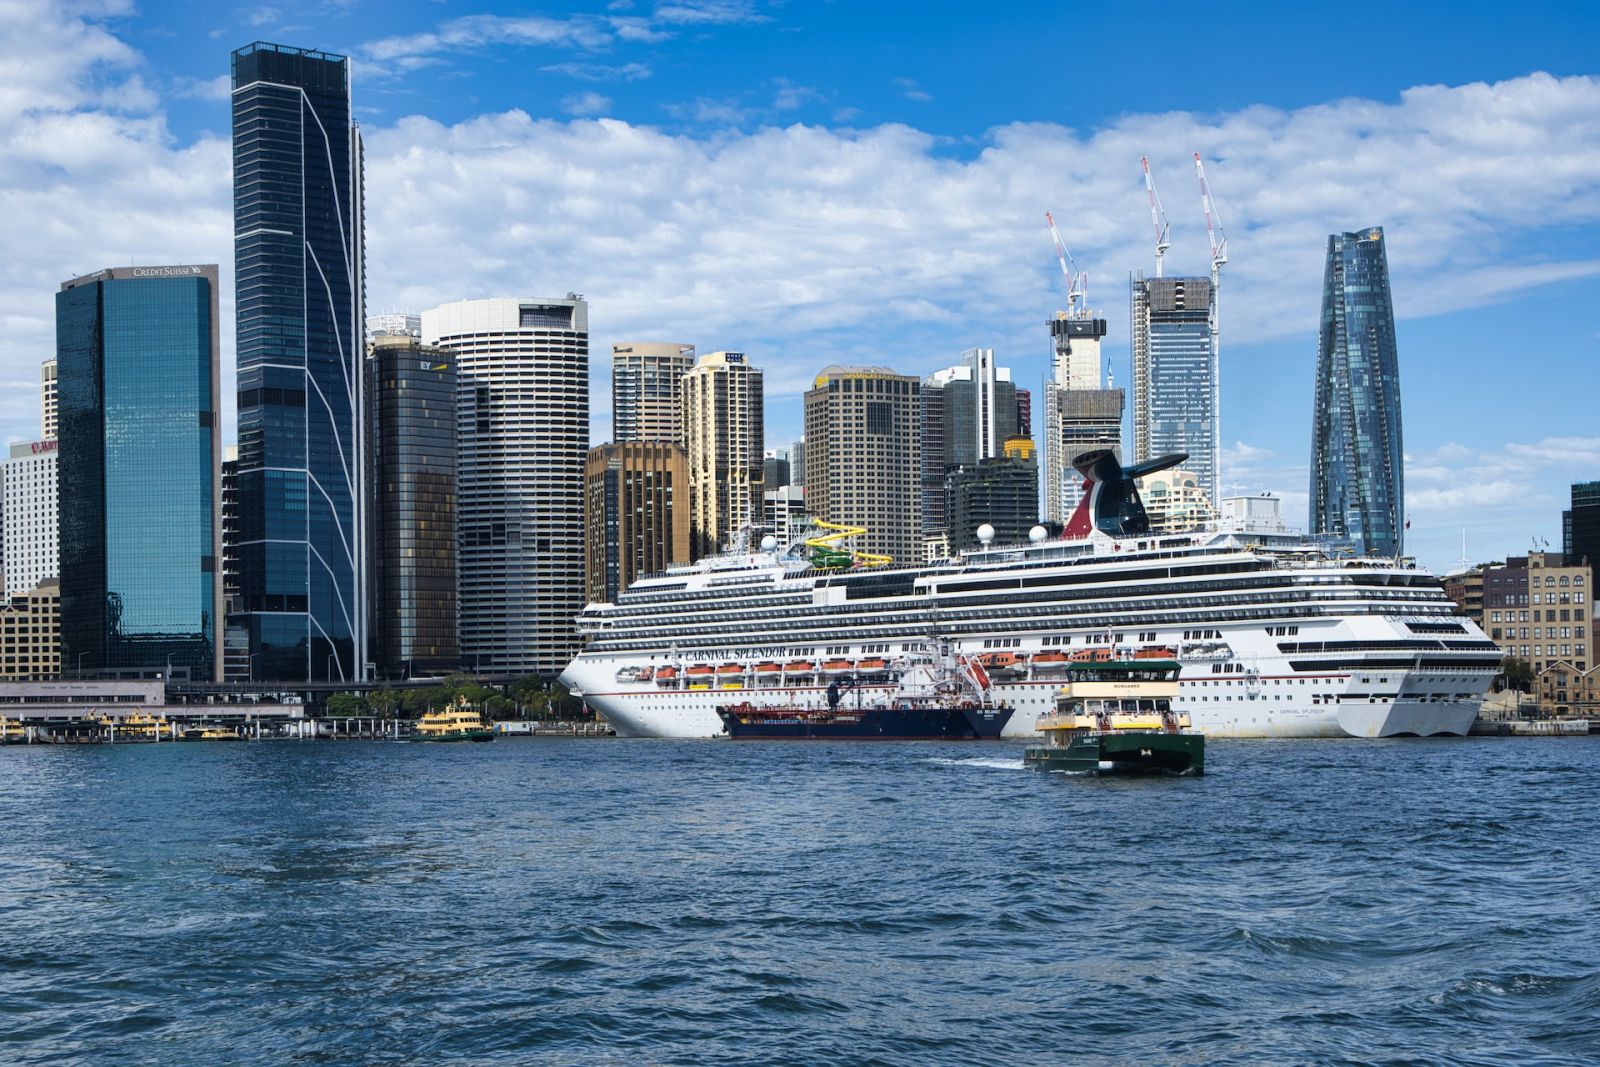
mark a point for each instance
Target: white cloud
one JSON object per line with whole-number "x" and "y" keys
{"x": 586, "y": 104}
{"x": 708, "y": 12}
{"x": 598, "y": 72}
{"x": 476, "y": 31}
{"x": 804, "y": 245}
{"x": 912, "y": 91}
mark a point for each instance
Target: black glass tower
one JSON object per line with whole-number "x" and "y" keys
{"x": 411, "y": 421}
{"x": 137, "y": 386}
{"x": 298, "y": 245}
{"x": 1357, "y": 473}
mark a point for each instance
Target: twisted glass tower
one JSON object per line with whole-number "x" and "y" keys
{"x": 1357, "y": 475}
{"x": 297, "y": 216}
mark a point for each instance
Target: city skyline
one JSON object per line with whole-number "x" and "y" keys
{"x": 976, "y": 272}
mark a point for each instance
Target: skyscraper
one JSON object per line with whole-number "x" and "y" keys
{"x": 139, "y": 378}
{"x": 636, "y": 515}
{"x": 1581, "y": 526}
{"x": 47, "y": 399}
{"x": 522, "y": 408}
{"x": 411, "y": 434}
{"x": 1175, "y": 374}
{"x": 1357, "y": 475}
{"x": 864, "y": 457}
{"x": 29, "y": 515}
{"x": 1081, "y": 413}
{"x": 647, "y": 390}
{"x": 969, "y": 411}
{"x": 723, "y": 436}
{"x": 1001, "y": 491}
{"x": 298, "y": 247}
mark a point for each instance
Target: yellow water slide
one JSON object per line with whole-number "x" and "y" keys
{"x": 827, "y": 551}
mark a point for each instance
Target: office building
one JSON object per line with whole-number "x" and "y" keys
{"x": 863, "y": 457}
{"x": 1175, "y": 501}
{"x": 775, "y": 469}
{"x": 139, "y": 383}
{"x": 1258, "y": 513}
{"x": 636, "y": 515}
{"x": 1024, "y": 413}
{"x": 29, "y": 516}
{"x": 1538, "y": 609}
{"x": 647, "y": 391}
{"x": 393, "y": 324}
{"x": 1082, "y": 412}
{"x": 522, "y": 417}
{"x": 783, "y": 513}
{"x": 299, "y": 287}
{"x": 1357, "y": 471}
{"x": 968, "y": 412}
{"x": 47, "y": 400}
{"x": 1175, "y": 374}
{"x": 1580, "y": 525}
{"x": 1465, "y": 587}
{"x": 411, "y": 463}
{"x": 30, "y": 633}
{"x": 1001, "y": 491}
{"x": 722, "y": 428}
{"x": 797, "y": 462}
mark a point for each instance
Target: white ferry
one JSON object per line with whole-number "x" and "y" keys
{"x": 1277, "y": 636}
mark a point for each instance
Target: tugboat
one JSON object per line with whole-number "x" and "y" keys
{"x": 460, "y": 723}
{"x": 1114, "y": 716}
{"x": 945, "y": 699}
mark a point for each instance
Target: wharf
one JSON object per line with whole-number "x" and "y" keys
{"x": 1535, "y": 728}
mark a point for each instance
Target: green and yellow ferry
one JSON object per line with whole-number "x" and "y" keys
{"x": 1114, "y": 716}
{"x": 459, "y": 723}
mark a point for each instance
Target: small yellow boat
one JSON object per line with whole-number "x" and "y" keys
{"x": 12, "y": 732}
{"x": 209, "y": 732}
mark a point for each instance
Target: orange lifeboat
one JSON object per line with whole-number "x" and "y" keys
{"x": 666, "y": 675}
{"x": 1092, "y": 655}
{"x": 699, "y": 670}
{"x": 768, "y": 668}
{"x": 1156, "y": 652}
{"x": 872, "y": 663}
{"x": 799, "y": 666}
{"x": 999, "y": 660}
{"x": 1047, "y": 658}
{"x": 731, "y": 668}
{"x": 837, "y": 665}
{"x": 646, "y": 673}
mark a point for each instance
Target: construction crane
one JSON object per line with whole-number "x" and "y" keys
{"x": 1158, "y": 214}
{"x": 1077, "y": 281}
{"x": 1219, "y": 256}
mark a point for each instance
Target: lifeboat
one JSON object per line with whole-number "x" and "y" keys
{"x": 769, "y": 668}
{"x": 1156, "y": 652}
{"x": 699, "y": 670}
{"x": 1092, "y": 655}
{"x": 731, "y": 668}
{"x": 635, "y": 674}
{"x": 799, "y": 666}
{"x": 1000, "y": 660}
{"x": 667, "y": 676}
{"x": 872, "y": 663}
{"x": 1045, "y": 659}
{"x": 837, "y": 666}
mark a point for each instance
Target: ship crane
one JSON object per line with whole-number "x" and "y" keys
{"x": 1158, "y": 215}
{"x": 1077, "y": 281}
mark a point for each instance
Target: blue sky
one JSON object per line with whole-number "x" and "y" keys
{"x": 812, "y": 181}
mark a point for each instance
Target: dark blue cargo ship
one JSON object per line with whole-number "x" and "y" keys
{"x": 968, "y": 721}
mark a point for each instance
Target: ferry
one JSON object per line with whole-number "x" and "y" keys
{"x": 1116, "y": 717}
{"x": 1277, "y": 635}
{"x": 460, "y": 723}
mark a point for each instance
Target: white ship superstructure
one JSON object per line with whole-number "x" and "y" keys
{"x": 1277, "y": 637}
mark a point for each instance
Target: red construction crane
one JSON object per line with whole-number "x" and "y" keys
{"x": 1077, "y": 281}
{"x": 1158, "y": 215}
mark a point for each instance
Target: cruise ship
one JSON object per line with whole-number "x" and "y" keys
{"x": 1278, "y": 636}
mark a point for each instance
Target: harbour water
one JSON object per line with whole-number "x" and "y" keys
{"x": 542, "y": 901}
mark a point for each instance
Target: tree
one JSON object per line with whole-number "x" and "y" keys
{"x": 1518, "y": 673}
{"x": 346, "y": 704}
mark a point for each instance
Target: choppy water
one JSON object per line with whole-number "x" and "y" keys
{"x": 703, "y": 902}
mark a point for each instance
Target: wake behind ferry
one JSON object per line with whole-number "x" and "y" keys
{"x": 1277, "y": 636}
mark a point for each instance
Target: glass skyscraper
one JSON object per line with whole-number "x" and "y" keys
{"x": 411, "y": 397}
{"x": 140, "y": 453}
{"x": 298, "y": 245}
{"x": 1175, "y": 375}
{"x": 1357, "y": 476}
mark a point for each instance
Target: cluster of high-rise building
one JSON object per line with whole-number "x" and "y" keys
{"x": 415, "y": 493}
